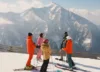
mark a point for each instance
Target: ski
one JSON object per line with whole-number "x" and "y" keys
{"x": 63, "y": 67}
{"x": 22, "y": 69}
{"x": 61, "y": 60}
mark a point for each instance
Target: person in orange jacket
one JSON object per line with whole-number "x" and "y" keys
{"x": 69, "y": 50}
{"x": 30, "y": 50}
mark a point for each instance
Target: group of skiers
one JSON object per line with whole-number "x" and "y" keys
{"x": 44, "y": 48}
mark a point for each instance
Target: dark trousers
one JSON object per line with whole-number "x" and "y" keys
{"x": 44, "y": 66}
{"x": 70, "y": 61}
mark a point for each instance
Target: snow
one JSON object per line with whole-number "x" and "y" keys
{"x": 11, "y": 61}
{"x": 77, "y": 24}
{"x": 53, "y": 7}
{"x": 32, "y": 16}
{"x": 51, "y": 4}
{"x": 46, "y": 29}
{"x": 87, "y": 40}
{"x": 5, "y": 21}
{"x": 51, "y": 16}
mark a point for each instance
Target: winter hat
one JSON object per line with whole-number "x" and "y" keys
{"x": 29, "y": 34}
{"x": 68, "y": 37}
{"x": 45, "y": 41}
{"x": 66, "y": 33}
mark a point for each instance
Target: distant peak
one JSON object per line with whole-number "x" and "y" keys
{"x": 52, "y": 4}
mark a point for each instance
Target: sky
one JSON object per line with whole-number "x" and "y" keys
{"x": 79, "y": 4}
{"x": 21, "y": 5}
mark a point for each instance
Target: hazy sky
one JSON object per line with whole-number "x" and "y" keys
{"x": 17, "y": 5}
{"x": 79, "y": 4}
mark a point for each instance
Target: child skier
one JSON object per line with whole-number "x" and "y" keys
{"x": 45, "y": 47}
{"x": 30, "y": 50}
{"x": 68, "y": 49}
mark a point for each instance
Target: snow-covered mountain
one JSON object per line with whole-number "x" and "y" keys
{"x": 53, "y": 21}
{"x": 11, "y": 34}
{"x": 93, "y": 16}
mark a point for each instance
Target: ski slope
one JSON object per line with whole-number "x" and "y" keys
{"x": 11, "y": 61}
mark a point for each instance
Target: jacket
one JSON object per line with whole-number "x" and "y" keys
{"x": 30, "y": 45}
{"x": 69, "y": 46}
{"x": 40, "y": 41}
{"x": 46, "y": 51}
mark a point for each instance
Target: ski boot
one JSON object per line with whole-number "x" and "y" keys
{"x": 29, "y": 67}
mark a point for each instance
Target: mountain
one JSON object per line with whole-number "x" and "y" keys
{"x": 93, "y": 16}
{"x": 53, "y": 21}
{"x": 99, "y": 26}
{"x": 11, "y": 34}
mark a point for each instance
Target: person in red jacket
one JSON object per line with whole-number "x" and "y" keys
{"x": 30, "y": 50}
{"x": 69, "y": 50}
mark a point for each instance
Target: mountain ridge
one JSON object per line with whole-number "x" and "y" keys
{"x": 53, "y": 21}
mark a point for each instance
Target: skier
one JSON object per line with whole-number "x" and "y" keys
{"x": 39, "y": 42}
{"x": 30, "y": 50}
{"x": 45, "y": 47}
{"x": 63, "y": 45}
{"x": 69, "y": 50}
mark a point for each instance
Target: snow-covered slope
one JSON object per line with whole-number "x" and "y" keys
{"x": 53, "y": 21}
{"x": 11, "y": 61}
